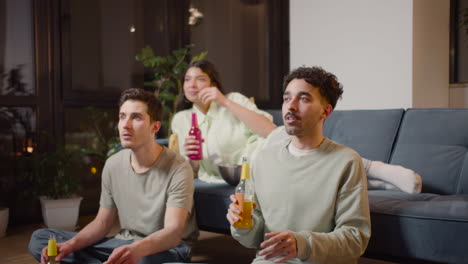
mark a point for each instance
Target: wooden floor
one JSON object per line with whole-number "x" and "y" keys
{"x": 211, "y": 248}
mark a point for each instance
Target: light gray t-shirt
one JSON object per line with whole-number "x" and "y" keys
{"x": 141, "y": 199}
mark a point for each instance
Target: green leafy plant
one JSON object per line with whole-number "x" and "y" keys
{"x": 58, "y": 174}
{"x": 166, "y": 74}
{"x": 97, "y": 140}
{"x": 105, "y": 143}
{"x": 50, "y": 174}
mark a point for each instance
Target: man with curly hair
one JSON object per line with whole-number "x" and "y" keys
{"x": 311, "y": 192}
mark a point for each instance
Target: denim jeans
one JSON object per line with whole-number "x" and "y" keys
{"x": 100, "y": 251}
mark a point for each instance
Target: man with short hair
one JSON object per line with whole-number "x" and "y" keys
{"x": 311, "y": 192}
{"x": 150, "y": 189}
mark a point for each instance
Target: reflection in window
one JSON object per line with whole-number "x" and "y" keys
{"x": 105, "y": 36}
{"x": 94, "y": 132}
{"x": 16, "y": 48}
{"x": 17, "y": 130}
{"x": 233, "y": 32}
{"x": 462, "y": 36}
{"x": 91, "y": 128}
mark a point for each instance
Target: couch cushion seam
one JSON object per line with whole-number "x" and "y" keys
{"x": 421, "y": 217}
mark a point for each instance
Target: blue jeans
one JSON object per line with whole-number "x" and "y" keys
{"x": 100, "y": 251}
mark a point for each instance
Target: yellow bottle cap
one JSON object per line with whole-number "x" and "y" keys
{"x": 52, "y": 248}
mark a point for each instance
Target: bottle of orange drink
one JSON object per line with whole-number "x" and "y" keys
{"x": 244, "y": 196}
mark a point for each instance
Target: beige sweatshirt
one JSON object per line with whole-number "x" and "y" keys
{"x": 321, "y": 197}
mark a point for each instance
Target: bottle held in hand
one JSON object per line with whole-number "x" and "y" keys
{"x": 52, "y": 250}
{"x": 195, "y": 131}
{"x": 244, "y": 196}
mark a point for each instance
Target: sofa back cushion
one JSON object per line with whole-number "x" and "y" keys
{"x": 371, "y": 133}
{"x": 277, "y": 116}
{"x": 434, "y": 143}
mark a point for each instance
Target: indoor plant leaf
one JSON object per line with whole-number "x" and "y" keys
{"x": 166, "y": 72}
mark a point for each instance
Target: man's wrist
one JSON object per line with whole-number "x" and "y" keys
{"x": 302, "y": 248}
{"x": 71, "y": 244}
{"x": 142, "y": 247}
{"x": 136, "y": 246}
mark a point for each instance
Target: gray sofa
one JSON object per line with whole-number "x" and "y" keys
{"x": 430, "y": 227}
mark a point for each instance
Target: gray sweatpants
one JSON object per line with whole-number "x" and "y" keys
{"x": 100, "y": 252}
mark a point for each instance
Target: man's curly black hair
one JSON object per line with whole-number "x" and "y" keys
{"x": 326, "y": 82}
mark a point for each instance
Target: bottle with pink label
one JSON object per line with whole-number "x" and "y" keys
{"x": 195, "y": 131}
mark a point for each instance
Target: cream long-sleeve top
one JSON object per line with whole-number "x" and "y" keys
{"x": 321, "y": 197}
{"x": 226, "y": 138}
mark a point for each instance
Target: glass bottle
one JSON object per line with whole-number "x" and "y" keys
{"x": 52, "y": 250}
{"x": 195, "y": 131}
{"x": 244, "y": 195}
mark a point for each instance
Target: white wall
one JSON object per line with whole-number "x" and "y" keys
{"x": 368, "y": 44}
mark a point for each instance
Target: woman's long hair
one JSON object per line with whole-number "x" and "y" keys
{"x": 207, "y": 68}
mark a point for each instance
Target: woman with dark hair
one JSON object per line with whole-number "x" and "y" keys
{"x": 231, "y": 124}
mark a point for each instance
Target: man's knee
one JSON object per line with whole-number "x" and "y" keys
{"x": 38, "y": 241}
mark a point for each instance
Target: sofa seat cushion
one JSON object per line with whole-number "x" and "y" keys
{"x": 423, "y": 205}
{"x": 419, "y": 226}
{"x": 211, "y": 204}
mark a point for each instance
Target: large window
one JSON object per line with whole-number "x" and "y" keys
{"x": 99, "y": 46}
{"x": 58, "y": 57}
{"x": 459, "y": 41}
{"x": 19, "y": 104}
{"x": 248, "y": 41}
{"x": 16, "y": 48}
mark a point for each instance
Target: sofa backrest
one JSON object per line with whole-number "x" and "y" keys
{"x": 371, "y": 133}
{"x": 434, "y": 143}
{"x": 277, "y": 116}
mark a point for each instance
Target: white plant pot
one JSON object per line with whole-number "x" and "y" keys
{"x": 60, "y": 213}
{"x": 4, "y": 212}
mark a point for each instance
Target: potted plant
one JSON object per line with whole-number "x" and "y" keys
{"x": 166, "y": 76}
{"x": 55, "y": 176}
{"x": 50, "y": 175}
